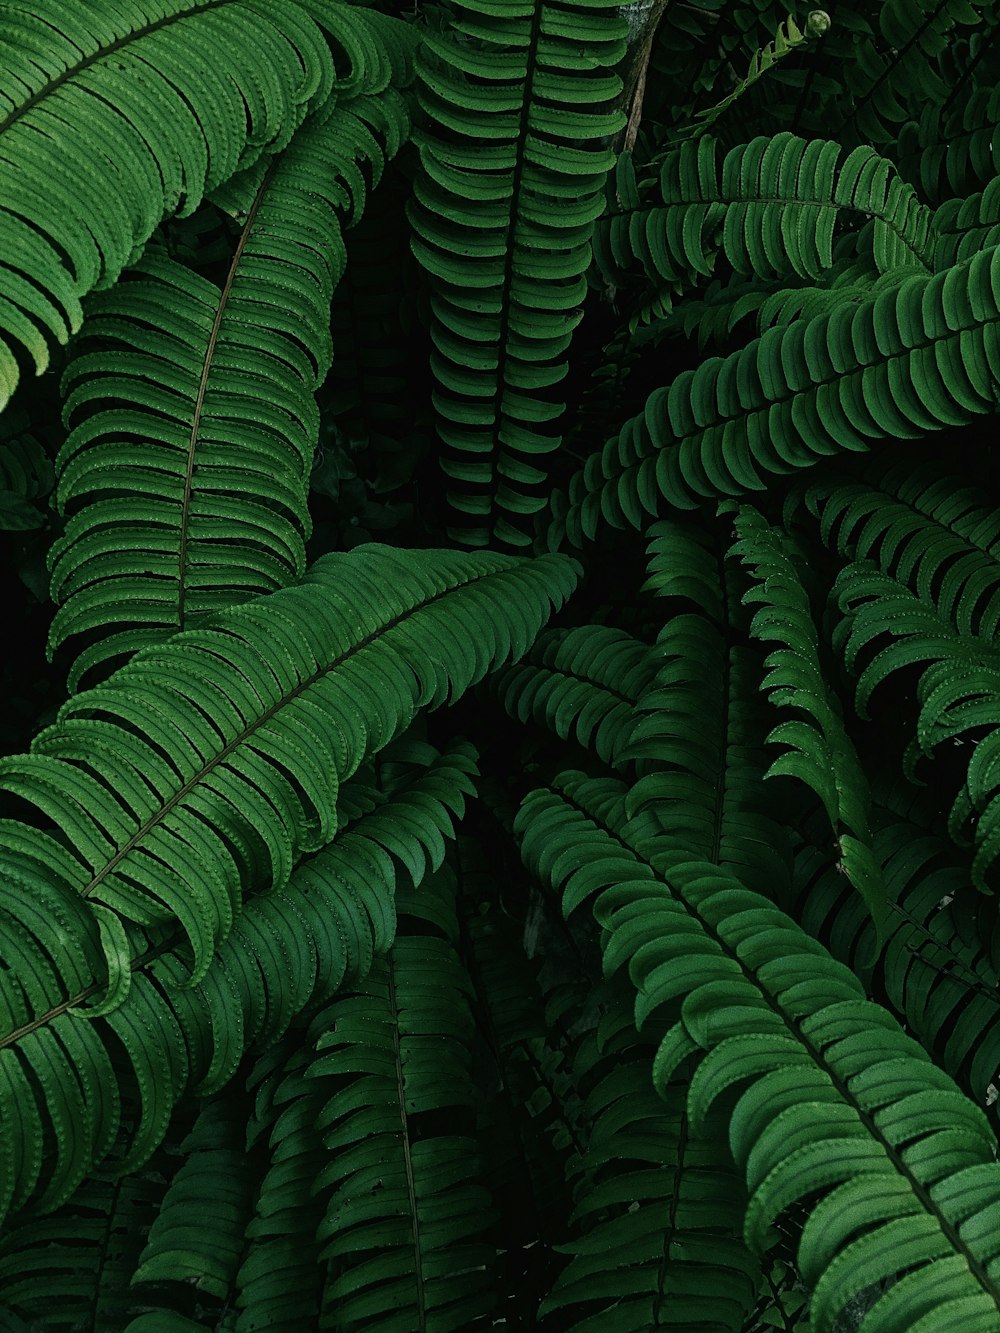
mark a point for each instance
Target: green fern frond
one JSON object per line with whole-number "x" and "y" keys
{"x": 516, "y": 105}
{"x": 953, "y": 150}
{"x": 917, "y": 358}
{"x": 405, "y": 1216}
{"x": 189, "y": 494}
{"x": 956, "y": 692}
{"x": 170, "y": 124}
{"x": 228, "y": 745}
{"x": 894, "y": 75}
{"x": 196, "y": 1238}
{"x": 925, "y": 530}
{"x": 697, "y": 740}
{"x": 581, "y": 683}
{"x": 931, "y": 968}
{"x": 821, "y": 752}
{"x": 964, "y": 226}
{"x": 769, "y": 208}
{"x": 829, "y": 1106}
{"x": 788, "y": 38}
{"x": 658, "y": 1211}
{"x": 71, "y": 1270}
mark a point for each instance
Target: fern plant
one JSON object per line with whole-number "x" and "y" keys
{"x": 500, "y": 799}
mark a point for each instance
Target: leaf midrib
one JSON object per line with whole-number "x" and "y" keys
{"x": 977, "y": 1269}
{"x": 102, "y": 53}
{"x": 206, "y": 371}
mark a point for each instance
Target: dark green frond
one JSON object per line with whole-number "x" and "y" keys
{"x": 829, "y": 1106}
{"x": 581, "y": 683}
{"x": 956, "y": 692}
{"x": 516, "y": 105}
{"x": 769, "y": 208}
{"x": 932, "y": 967}
{"x": 821, "y": 753}
{"x": 405, "y": 1212}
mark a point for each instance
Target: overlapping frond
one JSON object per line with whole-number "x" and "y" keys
{"x": 112, "y": 119}
{"x": 516, "y": 105}
{"x": 769, "y": 208}
{"x": 289, "y": 950}
{"x": 829, "y": 1107}
{"x": 821, "y": 753}
{"x": 233, "y": 776}
{"x": 581, "y": 683}
{"x": 698, "y": 732}
{"x": 932, "y": 967}
{"x": 915, "y": 359}
{"x": 186, "y": 473}
{"x": 956, "y": 691}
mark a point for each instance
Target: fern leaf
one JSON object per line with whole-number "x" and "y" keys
{"x": 580, "y": 683}
{"x": 698, "y": 735}
{"x": 821, "y": 754}
{"x": 932, "y": 968}
{"x": 189, "y": 494}
{"x": 788, "y": 1051}
{"x": 405, "y": 1214}
{"x": 197, "y": 1235}
{"x": 888, "y": 368}
{"x": 656, "y": 1228}
{"x": 512, "y": 179}
{"x": 171, "y": 125}
{"x": 769, "y": 208}
{"x": 925, "y": 530}
{"x": 228, "y": 736}
{"x": 956, "y": 692}
{"x": 72, "y": 1269}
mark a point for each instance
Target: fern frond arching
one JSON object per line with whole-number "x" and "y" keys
{"x": 821, "y": 752}
{"x": 888, "y": 368}
{"x": 289, "y": 950}
{"x": 189, "y": 494}
{"x": 229, "y": 746}
{"x": 768, "y": 1018}
{"x": 769, "y": 208}
{"x": 931, "y": 968}
{"x": 580, "y": 683}
{"x": 172, "y": 126}
{"x": 503, "y": 213}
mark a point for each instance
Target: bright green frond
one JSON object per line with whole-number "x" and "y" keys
{"x": 189, "y": 493}
{"x": 233, "y": 776}
{"x": 111, "y": 120}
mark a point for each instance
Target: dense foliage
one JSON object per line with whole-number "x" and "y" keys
{"x": 500, "y": 795}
